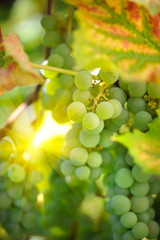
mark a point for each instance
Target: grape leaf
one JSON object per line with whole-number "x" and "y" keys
{"x": 144, "y": 147}
{"x": 10, "y": 100}
{"x": 153, "y": 6}
{"x": 17, "y": 69}
{"x": 119, "y": 35}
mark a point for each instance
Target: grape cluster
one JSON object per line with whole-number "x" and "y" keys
{"x": 58, "y": 89}
{"x": 18, "y": 194}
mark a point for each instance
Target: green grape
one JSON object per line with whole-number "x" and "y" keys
{"x": 56, "y": 60}
{"x": 63, "y": 50}
{"x": 110, "y": 181}
{"x": 94, "y": 159}
{"x": 139, "y": 189}
{"x": 153, "y": 90}
{"x": 83, "y": 80}
{"x": 50, "y": 86}
{"x": 50, "y": 74}
{"x": 78, "y": 156}
{"x": 139, "y": 204}
{"x": 35, "y": 177}
{"x": 122, "y": 118}
{"x": 119, "y": 228}
{"x": 105, "y": 138}
{"x": 29, "y": 220}
{"x": 15, "y": 191}
{"x": 5, "y": 200}
{"x": 151, "y": 213}
{"x": 117, "y": 108}
{"x": 117, "y": 93}
{"x": 129, "y": 159}
{"x": 48, "y": 22}
{"x": 128, "y": 220}
{"x": 135, "y": 105}
{"x": 82, "y": 173}
{"x": 140, "y": 230}
{"x": 107, "y": 158}
{"x": 62, "y": 96}
{"x": 66, "y": 81}
{"x": 120, "y": 162}
{"x": 16, "y": 173}
{"x": 67, "y": 168}
{"x": 96, "y": 130}
{"x": 21, "y": 202}
{"x": 51, "y": 38}
{"x": 124, "y": 178}
{"x": 154, "y": 229}
{"x": 120, "y": 204}
{"x": 150, "y": 199}
{"x": 141, "y": 120}
{"x": 3, "y": 167}
{"x": 122, "y": 191}
{"x": 82, "y": 96}
{"x": 137, "y": 89}
{"x": 154, "y": 187}
{"x": 143, "y": 217}
{"x": 90, "y": 120}
{"x": 123, "y": 85}
{"x": 72, "y": 137}
{"x": 114, "y": 218}
{"x": 128, "y": 236}
{"x": 139, "y": 174}
{"x": 111, "y": 126}
{"x": 69, "y": 62}
{"x": 75, "y": 111}
{"x": 95, "y": 173}
{"x": 88, "y": 140}
{"x": 47, "y": 101}
{"x": 108, "y": 77}
{"x": 105, "y": 110}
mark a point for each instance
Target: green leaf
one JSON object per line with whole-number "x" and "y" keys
{"x": 9, "y": 101}
{"x": 119, "y": 35}
{"x": 144, "y": 147}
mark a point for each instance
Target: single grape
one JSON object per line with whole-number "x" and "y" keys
{"x": 72, "y": 137}
{"x": 143, "y": 217}
{"x": 15, "y": 191}
{"x": 153, "y": 89}
{"x": 151, "y": 213}
{"x": 88, "y": 140}
{"x": 139, "y": 189}
{"x": 154, "y": 229}
{"x": 56, "y": 60}
{"x": 117, "y": 93}
{"x": 135, "y": 105}
{"x": 141, "y": 120}
{"x": 94, "y": 159}
{"x": 108, "y": 77}
{"x": 75, "y": 111}
{"x": 48, "y": 22}
{"x": 51, "y": 38}
{"x": 105, "y": 110}
{"x": 140, "y": 230}
{"x": 129, "y": 219}
{"x": 123, "y": 85}
{"x": 67, "y": 168}
{"x": 35, "y": 177}
{"x": 78, "y": 156}
{"x": 95, "y": 173}
{"x": 122, "y": 191}
{"x": 124, "y": 178}
{"x": 129, "y": 159}
{"x": 63, "y": 50}
{"x": 90, "y": 120}
{"x": 122, "y": 118}
{"x": 139, "y": 175}
{"x": 62, "y": 96}
{"x": 105, "y": 138}
{"x": 66, "y": 81}
{"x": 83, "y": 80}
{"x": 16, "y": 173}
{"x": 120, "y": 204}
{"x": 119, "y": 228}
{"x": 128, "y": 236}
{"x": 69, "y": 62}
{"x": 96, "y": 130}
{"x": 117, "y": 108}
{"x": 137, "y": 89}
{"x": 82, "y": 96}
{"x": 139, "y": 204}
{"x": 29, "y": 220}
{"x": 82, "y": 173}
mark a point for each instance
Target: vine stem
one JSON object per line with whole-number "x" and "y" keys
{"x": 60, "y": 70}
